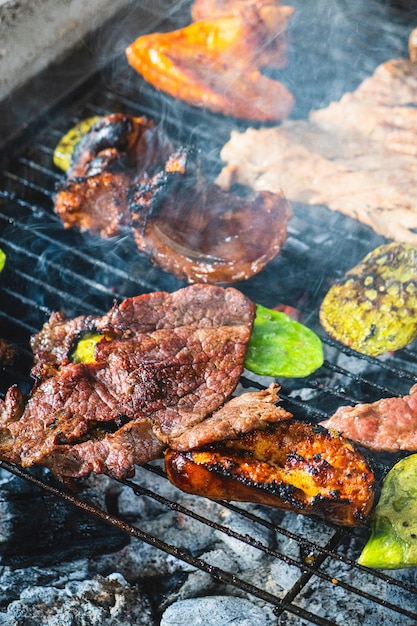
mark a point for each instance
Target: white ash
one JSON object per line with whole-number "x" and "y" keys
{"x": 284, "y": 577}
{"x": 248, "y": 554}
{"x": 100, "y": 601}
{"x": 311, "y": 529}
{"x": 13, "y": 582}
{"x": 142, "y": 575}
{"x": 361, "y": 579}
{"x": 323, "y": 599}
{"x": 217, "y": 610}
{"x": 197, "y": 584}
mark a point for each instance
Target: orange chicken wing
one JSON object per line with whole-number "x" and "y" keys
{"x": 216, "y": 64}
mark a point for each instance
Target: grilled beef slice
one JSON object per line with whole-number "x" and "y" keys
{"x": 356, "y": 156}
{"x": 164, "y": 364}
{"x": 125, "y": 174}
{"x": 117, "y": 149}
{"x": 386, "y": 425}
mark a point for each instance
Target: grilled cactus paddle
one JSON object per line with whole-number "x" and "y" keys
{"x": 374, "y": 309}
{"x": 280, "y": 346}
{"x": 393, "y": 541}
{"x": 293, "y": 466}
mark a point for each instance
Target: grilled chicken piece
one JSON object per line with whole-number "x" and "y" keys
{"x": 117, "y": 148}
{"x": 292, "y": 465}
{"x": 215, "y": 64}
{"x": 271, "y": 52}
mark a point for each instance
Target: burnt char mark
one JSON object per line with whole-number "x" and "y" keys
{"x": 96, "y": 431}
{"x": 106, "y": 134}
{"x": 285, "y": 492}
{"x": 112, "y": 162}
{"x": 146, "y": 196}
{"x": 320, "y": 430}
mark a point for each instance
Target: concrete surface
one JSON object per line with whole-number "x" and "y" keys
{"x": 34, "y": 33}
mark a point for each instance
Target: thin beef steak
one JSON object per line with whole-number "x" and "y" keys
{"x": 161, "y": 364}
{"x": 387, "y": 425}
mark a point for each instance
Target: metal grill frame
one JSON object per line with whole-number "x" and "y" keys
{"x": 26, "y": 190}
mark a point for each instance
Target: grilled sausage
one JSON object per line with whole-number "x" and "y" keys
{"x": 293, "y": 466}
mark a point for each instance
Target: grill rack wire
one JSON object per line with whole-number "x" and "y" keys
{"x": 49, "y": 269}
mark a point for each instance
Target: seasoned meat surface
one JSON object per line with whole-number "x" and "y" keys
{"x": 206, "y": 234}
{"x": 216, "y": 62}
{"x": 126, "y": 175}
{"x": 118, "y": 149}
{"x": 162, "y": 364}
{"x": 389, "y": 424}
{"x": 289, "y": 465}
{"x": 247, "y": 412}
{"x": 356, "y": 156}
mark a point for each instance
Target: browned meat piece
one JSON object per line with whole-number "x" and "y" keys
{"x": 95, "y": 195}
{"x": 291, "y": 465}
{"x": 271, "y": 49}
{"x": 206, "y": 234}
{"x": 215, "y": 63}
{"x": 96, "y": 203}
{"x": 250, "y": 411}
{"x": 6, "y": 353}
{"x": 162, "y": 364}
{"x": 11, "y": 409}
{"x": 356, "y": 156}
{"x": 124, "y": 173}
{"x": 388, "y": 425}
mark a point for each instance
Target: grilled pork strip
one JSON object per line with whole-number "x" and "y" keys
{"x": 291, "y": 465}
{"x": 387, "y": 425}
{"x": 162, "y": 365}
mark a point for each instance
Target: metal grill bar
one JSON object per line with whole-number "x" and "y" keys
{"x": 26, "y": 217}
{"x": 217, "y": 573}
{"x": 220, "y": 575}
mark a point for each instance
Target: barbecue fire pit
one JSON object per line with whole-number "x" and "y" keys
{"x": 139, "y": 551}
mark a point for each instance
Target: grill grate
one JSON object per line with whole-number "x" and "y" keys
{"x": 310, "y": 568}
{"x": 51, "y": 269}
